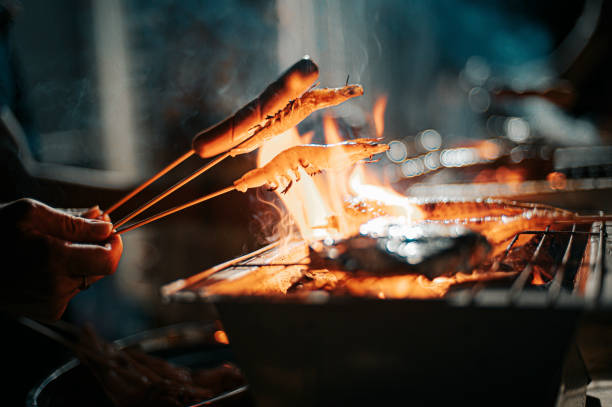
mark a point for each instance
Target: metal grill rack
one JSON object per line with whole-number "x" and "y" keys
{"x": 586, "y": 284}
{"x": 591, "y": 286}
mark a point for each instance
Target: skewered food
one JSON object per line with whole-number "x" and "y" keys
{"x": 224, "y": 138}
{"x": 312, "y": 158}
{"x": 473, "y": 209}
{"x": 283, "y": 169}
{"x": 236, "y": 128}
{"x": 496, "y": 219}
{"x": 294, "y": 112}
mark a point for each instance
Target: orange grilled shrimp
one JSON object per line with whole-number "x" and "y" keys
{"x": 283, "y": 169}
{"x": 294, "y": 112}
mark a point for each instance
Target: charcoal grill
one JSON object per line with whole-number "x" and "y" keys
{"x": 501, "y": 343}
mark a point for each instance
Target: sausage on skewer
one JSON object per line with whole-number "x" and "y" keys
{"x": 235, "y": 129}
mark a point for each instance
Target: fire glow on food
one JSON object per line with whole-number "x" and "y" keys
{"x": 427, "y": 247}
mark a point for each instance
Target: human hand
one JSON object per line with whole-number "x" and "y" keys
{"x": 50, "y": 255}
{"x": 90, "y": 213}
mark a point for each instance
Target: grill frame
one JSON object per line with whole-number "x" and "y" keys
{"x": 592, "y": 286}
{"x": 328, "y": 350}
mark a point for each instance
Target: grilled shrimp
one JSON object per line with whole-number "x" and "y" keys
{"x": 283, "y": 169}
{"x": 294, "y": 112}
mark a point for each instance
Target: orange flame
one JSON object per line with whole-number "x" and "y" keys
{"x": 557, "y": 180}
{"x": 378, "y": 112}
{"x": 221, "y": 337}
{"x": 317, "y": 204}
{"x": 502, "y": 175}
{"x": 303, "y": 200}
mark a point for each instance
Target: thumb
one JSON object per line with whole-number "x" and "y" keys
{"x": 68, "y": 227}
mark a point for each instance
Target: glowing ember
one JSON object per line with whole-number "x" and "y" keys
{"x": 303, "y": 201}
{"x": 221, "y": 337}
{"x": 557, "y": 180}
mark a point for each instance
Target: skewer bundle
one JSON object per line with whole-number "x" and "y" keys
{"x": 281, "y": 106}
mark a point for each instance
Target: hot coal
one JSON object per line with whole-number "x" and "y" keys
{"x": 390, "y": 246}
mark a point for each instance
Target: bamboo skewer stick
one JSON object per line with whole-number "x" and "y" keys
{"x": 585, "y": 219}
{"x": 182, "y": 283}
{"x": 148, "y": 182}
{"x": 171, "y": 189}
{"x": 291, "y": 115}
{"x": 174, "y": 210}
{"x": 573, "y": 219}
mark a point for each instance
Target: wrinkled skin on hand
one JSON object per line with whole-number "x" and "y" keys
{"x": 46, "y": 252}
{"x": 132, "y": 378}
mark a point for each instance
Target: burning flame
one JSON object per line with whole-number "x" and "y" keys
{"x": 221, "y": 337}
{"x": 317, "y": 204}
{"x": 502, "y": 175}
{"x": 303, "y": 201}
{"x": 379, "y": 115}
{"x": 540, "y": 276}
{"x": 557, "y": 180}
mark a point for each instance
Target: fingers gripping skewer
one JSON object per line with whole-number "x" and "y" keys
{"x": 237, "y": 128}
{"x": 282, "y": 170}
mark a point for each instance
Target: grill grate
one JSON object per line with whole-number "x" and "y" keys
{"x": 578, "y": 276}
{"x": 589, "y": 282}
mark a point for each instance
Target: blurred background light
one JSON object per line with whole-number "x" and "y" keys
{"x": 430, "y": 139}
{"x": 397, "y": 151}
{"x": 479, "y": 99}
{"x": 517, "y": 129}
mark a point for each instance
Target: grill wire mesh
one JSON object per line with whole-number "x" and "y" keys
{"x": 578, "y": 274}
{"x": 588, "y": 283}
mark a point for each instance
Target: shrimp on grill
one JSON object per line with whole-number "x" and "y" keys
{"x": 283, "y": 169}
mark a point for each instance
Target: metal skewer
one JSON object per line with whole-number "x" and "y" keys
{"x": 173, "y": 210}
{"x": 172, "y": 189}
{"x": 182, "y": 283}
{"x": 181, "y": 183}
{"x": 149, "y": 182}
{"x": 585, "y": 219}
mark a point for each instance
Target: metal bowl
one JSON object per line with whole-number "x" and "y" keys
{"x": 188, "y": 344}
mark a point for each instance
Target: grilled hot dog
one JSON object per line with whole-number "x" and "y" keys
{"x": 235, "y": 129}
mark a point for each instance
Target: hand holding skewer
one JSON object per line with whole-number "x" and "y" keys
{"x": 50, "y": 255}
